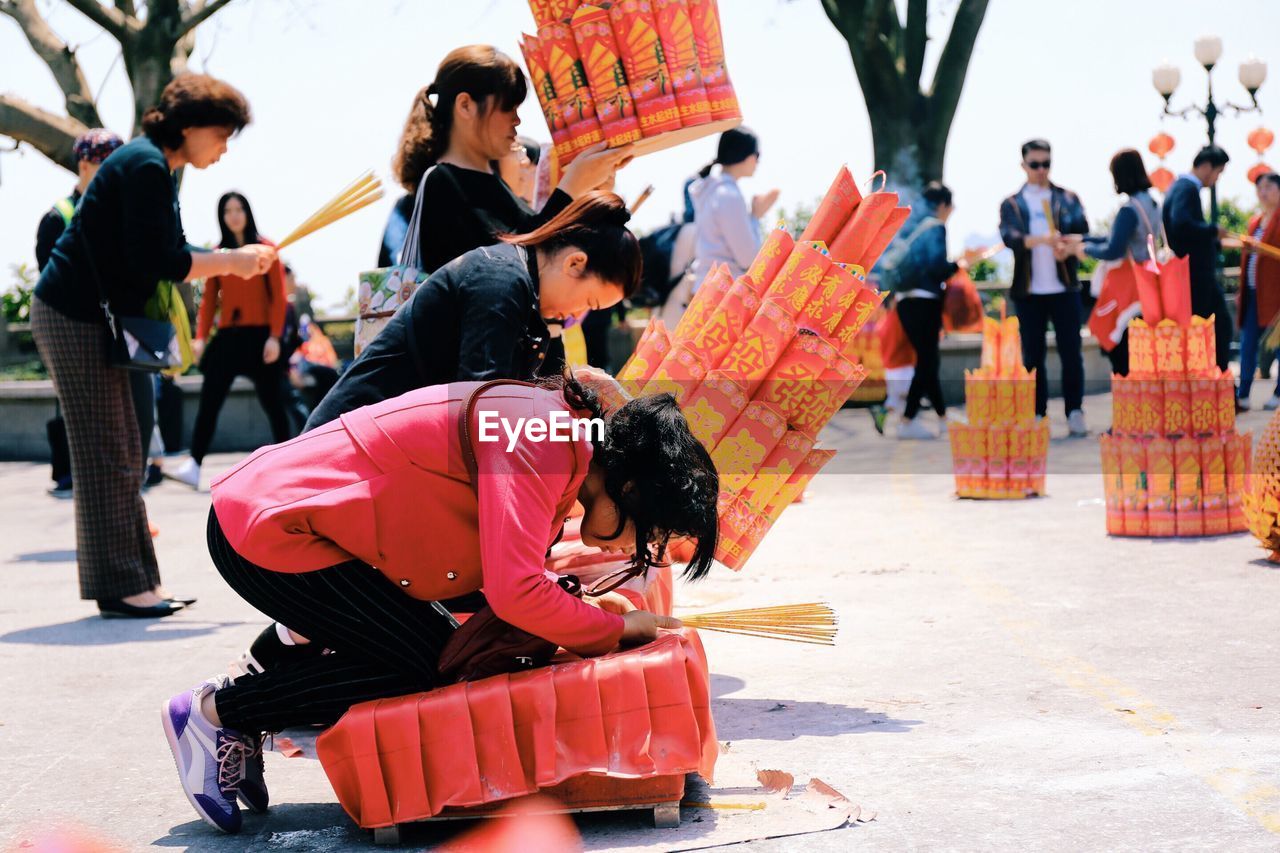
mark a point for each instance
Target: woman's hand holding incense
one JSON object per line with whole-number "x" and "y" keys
{"x": 594, "y": 168}
{"x": 641, "y": 626}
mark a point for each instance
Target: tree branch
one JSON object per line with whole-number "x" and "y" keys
{"x": 120, "y": 25}
{"x": 873, "y": 60}
{"x": 50, "y": 134}
{"x": 199, "y": 14}
{"x": 953, "y": 65}
{"x": 60, "y": 59}
{"x": 916, "y": 37}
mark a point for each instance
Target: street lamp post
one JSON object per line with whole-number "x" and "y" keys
{"x": 1208, "y": 50}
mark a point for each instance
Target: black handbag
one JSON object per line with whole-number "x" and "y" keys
{"x": 137, "y": 343}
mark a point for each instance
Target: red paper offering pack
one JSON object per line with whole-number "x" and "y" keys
{"x": 573, "y": 93}
{"x": 646, "y": 359}
{"x": 800, "y": 276}
{"x": 1204, "y": 406}
{"x": 773, "y": 254}
{"x": 1213, "y": 497}
{"x": 680, "y": 371}
{"x": 746, "y": 445}
{"x": 705, "y": 301}
{"x": 599, "y": 53}
{"x": 726, "y": 324}
{"x": 705, "y": 17}
{"x": 1188, "y": 487}
{"x": 1133, "y": 476}
{"x": 1171, "y": 352}
{"x": 783, "y": 461}
{"x": 835, "y": 209}
{"x": 1150, "y": 407}
{"x": 799, "y": 481}
{"x": 1177, "y": 407}
{"x": 1237, "y": 450}
{"x": 997, "y": 482}
{"x": 1161, "y": 488}
{"x": 883, "y": 237}
{"x": 966, "y": 464}
{"x": 1112, "y": 484}
{"x": 828, "y": 394}
{"x": 751, "y": 358}
{"x": 1226, "y": 402}
{"x": 831, "y": 299}
{"x": 652, "y": 89}
{"x": 797, "y": 370}
{"x": 1142, "y": 350}
{"x": 552, "y": 108}
{"x": 862, "y": 229}
{"x": 675, "y": 30}
{"x": 712, "y": 407}
{"x": 1201, "y": 347}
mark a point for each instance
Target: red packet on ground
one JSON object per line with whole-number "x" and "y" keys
{"x": 1202, "y": 358}
{"x": 997, "y": 462}
{"x": 1112, "y": 484}
{"x": 851, "y": 244}
{"x": 681, "y": 370}
{"x": 573, "y": 94}
{"x": 712, "y": 407}
{"x": 1226, "y": 385}
{"x": 1171, "y": 350}
{"x": 552, "y": 109}
{"x": 709, "y": 39}
{"x": 705, "y": 301}
{"x": 1161, "y": 488}
{"x": 796, "y": 372}
{"x": 783, "y": 461}
{"x": 1204, "y": 406}
{"x": 1177, "y": 407}
{"x": 675, "y": 30}
{"x": 1150, "y": 407}
{"x": 774, "y": 253}
{"x": 1133, "y": 475}
{"x": 800, "y": 276}
{"x": 652, "y": 89}
{"x": 599, "y": 54}
{"x": 1142, "y": 350}
{"x": 742, "y": 451}
{"x": 1237, "y": 450}
{"x": 755, "y": 353}
{"x": 713, "y": 339}
{"x": 834, "y": 210}
{"x": 1213, "y": 497}
{"x": 1188, "y": 487}
{"x": 892, "y": 225}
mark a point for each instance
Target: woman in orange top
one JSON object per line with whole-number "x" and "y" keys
{"x": 251, "y": 313}
{"x": 1258, "y": 303}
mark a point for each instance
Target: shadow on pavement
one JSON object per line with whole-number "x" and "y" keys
{"x": 288, "y": 826}
{"x": 785, "y": 719}
{"x": 96, "y": 631}
{"x": 64, "y": 556}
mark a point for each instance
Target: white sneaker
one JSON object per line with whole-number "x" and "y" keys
{"x": 1271, "y": 405}
{"x": 1076, "y": 427}
{"x": 914, "y": 430}
{"x": 188, "y": 472}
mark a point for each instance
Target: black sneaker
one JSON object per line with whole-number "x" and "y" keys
{"x": 268, "y": 652}
{"x": 62, "y": 488}
{"x": 155, "y": 476}
{"x": 253, "y": 787}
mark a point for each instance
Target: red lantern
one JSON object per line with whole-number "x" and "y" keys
{"x": 1260, "y": 140}
{"x": 1161, "y": 179}
{"x": 1258, "y": 171}
{"x": 1160, "y": 144}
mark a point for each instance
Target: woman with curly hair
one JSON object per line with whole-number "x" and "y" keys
{"x": 125, "y": 237}
{"x": 354, "y": 531}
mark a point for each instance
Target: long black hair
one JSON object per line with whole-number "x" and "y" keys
{"x": 250, "y": 227}
{"x": 656, "y": 471}
{"x": 596, "y": 223}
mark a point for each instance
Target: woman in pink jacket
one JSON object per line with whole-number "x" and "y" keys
{"x": 354, "y": 531}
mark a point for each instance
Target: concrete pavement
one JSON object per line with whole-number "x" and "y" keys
{"x": 1007, "y": 677}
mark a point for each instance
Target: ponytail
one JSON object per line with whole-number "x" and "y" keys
{"x": 485, "y": 73}
{"x": 705, "y": 171}
{"x": 595, "y": 223}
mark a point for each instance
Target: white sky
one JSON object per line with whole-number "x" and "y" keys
{"x": 331, "y": 82}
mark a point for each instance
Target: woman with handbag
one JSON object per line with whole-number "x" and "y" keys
{"x": 250, "y": 324}
{"x": 1259, "y": 298}
{"x": 125, "y": 238}
{"x": 1132, "y": 233}
{"x": 412, "y": 486}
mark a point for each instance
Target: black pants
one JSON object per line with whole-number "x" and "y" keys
{"x": 238, "y": 352}
{"x": 169, "y": 413}
{"x": 384, "y": 642}
{"x": 1208, "y": 299}
{"x": 922, "y": 321}
{"x": 1119, "y": 356}
{"x": 1063, "y": 310}
{"x": 143, "y": 387}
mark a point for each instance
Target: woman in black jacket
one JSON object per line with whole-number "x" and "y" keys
{"x": 126, "y": 237}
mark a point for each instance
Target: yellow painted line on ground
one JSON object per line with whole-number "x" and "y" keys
{"x": 1248, "y": 791}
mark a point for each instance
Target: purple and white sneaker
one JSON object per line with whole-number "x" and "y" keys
{"x": 210, "y": 760}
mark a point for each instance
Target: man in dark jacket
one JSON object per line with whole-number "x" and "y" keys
{"x": 1033, "y": 223}
{"x": 1191, "y": 235}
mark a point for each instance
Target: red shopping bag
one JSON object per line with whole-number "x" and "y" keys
{"x": 961, "y": 305}
{"x": 1175, "y": 290}
{"x": 895, "y": 349}
{"x": 1147, "y": 278}
{"x": 1116, "y": 305}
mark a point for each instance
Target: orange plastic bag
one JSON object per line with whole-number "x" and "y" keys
{"x": 961, "y": 305}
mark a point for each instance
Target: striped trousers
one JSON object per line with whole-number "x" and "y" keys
{"x": 113, "y": 542}
{"x": 384, "y": 642}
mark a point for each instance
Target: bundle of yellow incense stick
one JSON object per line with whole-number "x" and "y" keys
{"x": 361, "y": 192}
{"x": 797, "y": 623}
{"x": 1258, "y": 246}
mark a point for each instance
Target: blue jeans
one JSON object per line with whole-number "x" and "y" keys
{"x": 1035, "y": 313}
{"x": 1250, "y": 335}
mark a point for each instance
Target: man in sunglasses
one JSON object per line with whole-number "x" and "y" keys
{"x": 1040, "y": 223}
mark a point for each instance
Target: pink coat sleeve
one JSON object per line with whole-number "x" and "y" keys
{"x": 519, "y": 493}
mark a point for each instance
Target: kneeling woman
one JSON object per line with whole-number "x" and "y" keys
{"x": 297, "y": 529}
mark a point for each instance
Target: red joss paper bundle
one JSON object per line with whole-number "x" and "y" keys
{"x": 598, "y": 53}
{"x": 675, "y": 31}
{"x": 705, "y": 16}
{"x": 645, "y": 64}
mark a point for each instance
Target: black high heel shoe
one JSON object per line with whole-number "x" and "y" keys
{"x": 185, "y": 602}
{"x": 117, "y": 609}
